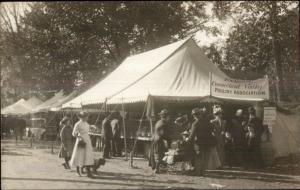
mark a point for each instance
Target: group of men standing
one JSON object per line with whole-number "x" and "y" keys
{"x": 238, "y": 137}
{"x": 111, "y": 136}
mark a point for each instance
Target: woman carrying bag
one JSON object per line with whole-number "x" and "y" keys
{"x": 66, "y": 137}
{"x": 83, "y": 150}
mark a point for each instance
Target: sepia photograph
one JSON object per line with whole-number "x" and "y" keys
{"x": 150, "y": 95}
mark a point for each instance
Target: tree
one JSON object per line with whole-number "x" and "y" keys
{"x": 264, "y": 40}
{"x": 62, "y": 38}
{"x": 13, "y": 86}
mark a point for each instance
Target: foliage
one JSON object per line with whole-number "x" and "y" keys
{"x": 263, "y": 41}
{"x": 60, "y": 39}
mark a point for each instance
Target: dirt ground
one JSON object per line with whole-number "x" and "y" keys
{"x": 23, "y": 167}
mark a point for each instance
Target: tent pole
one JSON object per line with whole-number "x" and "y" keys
{"x": 136, "y": 139}
{"x": 124, "y": 128}
{"x": 151, "y": 125}
{"x": 210, "y": 80}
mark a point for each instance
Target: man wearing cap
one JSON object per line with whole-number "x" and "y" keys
{"x": 116, "y": 136}
{"x": 106, "y": 135}
{"x": 201, "y": 136}
{"x": 160, "y": 142}
{"x": 238, "y": 133}
{"x": 163, "y": 125}
{"x": 256, "y": 123}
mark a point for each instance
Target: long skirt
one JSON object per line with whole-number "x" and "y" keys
{"x": 201, "y": 160}
{"x": 213, "y": 159}
{"x": 83, "y": 156}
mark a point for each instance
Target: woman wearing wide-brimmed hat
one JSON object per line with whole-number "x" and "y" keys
{"x": 219, "y": 127}
{"x": 66, "y": 148}
{"x": 83, "y": 150}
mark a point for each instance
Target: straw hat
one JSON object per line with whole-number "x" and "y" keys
{"x": 64, "y": 120}
{"x": 196, "y": 111}
{"x": 239, "y": 112}
{"x": 185, "y": 133}
{"x": 82, "y": 114}
{"x": 163, "y": 112}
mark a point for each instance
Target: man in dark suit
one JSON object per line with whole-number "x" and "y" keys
{"x": 255, "y": 124}
{"x": 238, "y": 132}
{"x": 116, "y": 136}
{"x": 201, "y": 137}
{"x": 106, "y": 136}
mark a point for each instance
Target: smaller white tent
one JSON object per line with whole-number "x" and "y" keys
{"x": 46, "y": 106}
{"x": 22, "y": 106}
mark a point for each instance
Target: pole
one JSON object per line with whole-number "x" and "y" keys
{"x": 151, "y": 125}
{"x": 136, "y": 139}
{"x": 124, "y": 128}
{"x": 210, "y": 79}
{"x": 52, "y": 152}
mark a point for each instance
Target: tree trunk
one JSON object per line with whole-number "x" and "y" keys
{"x": 277, "y": 52}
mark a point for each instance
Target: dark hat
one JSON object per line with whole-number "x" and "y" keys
{"x": 185, "y": 133}
{"x": 82, "y": 114}
{"x": 163, "y": 112}
{"x": 196, "y": 111}
{"x": 64, "y": 120}
{"x": 251, "y": 110}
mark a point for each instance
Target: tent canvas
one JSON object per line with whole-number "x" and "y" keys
{"x": 22, "y": 107}
{"x": 33, "y": 102}
{"x": 178, "y": 71}
{"x": 44, "y": 107}
{"x": 9, "y": 108}
{"x": 57, "y": 105}
{"x": 286, "y": 134}
{"x": 162, "y": 71}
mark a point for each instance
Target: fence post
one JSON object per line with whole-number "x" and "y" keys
{"x": 31, "y": 142}
{"x": 52, "y": 152}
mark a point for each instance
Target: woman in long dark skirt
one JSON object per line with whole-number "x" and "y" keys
{"x": 67, "y": 140}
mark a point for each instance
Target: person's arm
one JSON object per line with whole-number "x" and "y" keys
{"x": 193, "y": 132}
{"x": 63, "y": 136}
{"x": 75, "y": 132}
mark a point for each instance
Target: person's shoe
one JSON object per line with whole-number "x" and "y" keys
{"x": 90, "y": 175}
{"x": 64, "y": 165}
{"x": 78, "y": 174}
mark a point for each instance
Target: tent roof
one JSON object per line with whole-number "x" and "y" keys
{"x": 33, "y": 102}
{"x": 22, "y": 107}
{"x": 48, "y": 103}
{"x": 178, "y": 71}
{"x": 132, "y": 69}
{"x": 57, "y": 105}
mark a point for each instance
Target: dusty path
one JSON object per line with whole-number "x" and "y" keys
{"x": 29, "y": 168}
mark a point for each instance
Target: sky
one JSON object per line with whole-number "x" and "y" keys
{"x": 203, "y": 38}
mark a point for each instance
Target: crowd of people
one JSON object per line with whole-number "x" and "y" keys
{"x": 207, "y": 142}
{"x": 210, "y": 143}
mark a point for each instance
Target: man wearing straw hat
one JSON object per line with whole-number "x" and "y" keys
{"x": 107, "y": 135}
{"x": 160, "y": 141}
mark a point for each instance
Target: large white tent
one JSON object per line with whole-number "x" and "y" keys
{"x": 178, "y": 71}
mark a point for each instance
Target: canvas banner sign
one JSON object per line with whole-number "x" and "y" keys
{"x": 225, "y": 87}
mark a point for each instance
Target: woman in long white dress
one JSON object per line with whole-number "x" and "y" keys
{"x": 82, "y": 155}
